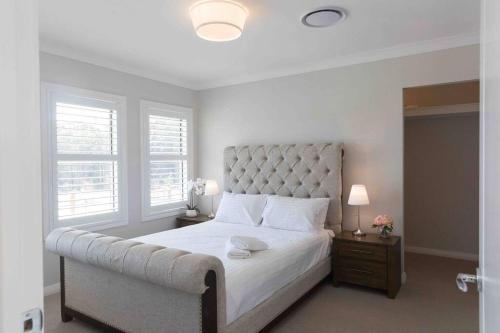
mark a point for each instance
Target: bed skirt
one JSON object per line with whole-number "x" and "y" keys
{"x": 265, "y": 313}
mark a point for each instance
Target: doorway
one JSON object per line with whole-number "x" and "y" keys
{"x": 441, "y": 172}
{"x": 441, "y": 188}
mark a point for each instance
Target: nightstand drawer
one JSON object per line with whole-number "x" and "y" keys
{"x": 362, "y": 251}
{"x": 369, "y": 261}
{"x": 186, "y": 221}
{"x": 183, "y": 224}
{"x": 370, "y": 274}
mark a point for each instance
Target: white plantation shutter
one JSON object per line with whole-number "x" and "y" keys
{"x": 86, "y": 157}
{"x": 166, "y": 158}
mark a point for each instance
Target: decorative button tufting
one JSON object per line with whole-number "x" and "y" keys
{"x": 302, "y": 170}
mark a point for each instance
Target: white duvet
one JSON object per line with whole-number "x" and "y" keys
{"x": 250, "y": 281}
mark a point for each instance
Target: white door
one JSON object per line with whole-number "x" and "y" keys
{"x": 488, "y": 277}
{"x": 20, "y": 176}
{"x": 490, "y": 168}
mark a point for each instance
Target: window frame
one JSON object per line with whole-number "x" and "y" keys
{"x": 50, "y": 95}
{"x": 148, "y": 108}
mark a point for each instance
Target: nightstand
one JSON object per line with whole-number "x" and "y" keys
{"x": 184, "y": 221}
{"x": 369, "y": 261}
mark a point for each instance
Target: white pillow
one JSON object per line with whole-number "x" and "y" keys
{"x": 295, "y": 213}
{"x": 241, "y": 208}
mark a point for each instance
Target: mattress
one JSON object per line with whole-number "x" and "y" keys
{"x": 250, "y": 281}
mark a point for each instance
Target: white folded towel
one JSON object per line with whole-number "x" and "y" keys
{"x": 248, "y": 243}
{"x": 233, "y": 252}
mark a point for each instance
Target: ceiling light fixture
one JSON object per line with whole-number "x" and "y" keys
{"x": 218, "y": 20}
{"x": 324, "y": 17}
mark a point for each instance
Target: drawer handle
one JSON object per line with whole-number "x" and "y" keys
{"x": 361, "y": 271}
{"x": 362, "y": 251}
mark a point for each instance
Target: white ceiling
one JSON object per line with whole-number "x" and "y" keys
{"x": 154, "y": 38}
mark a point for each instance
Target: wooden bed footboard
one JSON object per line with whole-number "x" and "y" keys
{"x": 208, "y": 306}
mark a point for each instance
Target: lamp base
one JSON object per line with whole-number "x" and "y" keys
{"x": 358, "y": 233}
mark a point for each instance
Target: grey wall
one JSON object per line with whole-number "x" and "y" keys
{"x": 61, "y": 70}
{"x": 360, "y": 105}
{"x": 442, "y": 183}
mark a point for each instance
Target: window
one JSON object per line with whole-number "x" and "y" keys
{"x": 166, "y": 158}
{"x": 85, "y": 164}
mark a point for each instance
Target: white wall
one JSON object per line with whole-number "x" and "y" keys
{"x": 60, "y": 70}
{"x": 360, "y": 105}
{"x": 20, "y": 163}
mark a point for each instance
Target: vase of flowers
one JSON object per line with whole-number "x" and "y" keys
{"x": 195, "y": 187}
{"x": 384, "y": 224}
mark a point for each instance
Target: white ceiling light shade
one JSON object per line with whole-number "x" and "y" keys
{"x": 218, "y": 20}
{"x": 324, "y": 17}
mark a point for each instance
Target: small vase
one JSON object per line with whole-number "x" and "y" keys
{"x": 191, "y": 213}
{"x": 384, "y": 233}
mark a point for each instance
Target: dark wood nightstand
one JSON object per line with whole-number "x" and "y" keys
{"x": 368, "y": 261}
{"x": 184, "y": 221}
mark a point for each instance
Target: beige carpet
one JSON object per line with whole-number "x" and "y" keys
{"x": 429, "y": 302}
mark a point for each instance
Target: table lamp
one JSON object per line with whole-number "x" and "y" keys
{"x": 211, "y": 189}
{"x": 358, "y": 197}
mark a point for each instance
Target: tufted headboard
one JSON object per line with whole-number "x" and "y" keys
{"x": 294, "y": 170}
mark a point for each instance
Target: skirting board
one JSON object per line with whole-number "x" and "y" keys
{"x": 52, "y": 289}
{"x": 442, "y": 253}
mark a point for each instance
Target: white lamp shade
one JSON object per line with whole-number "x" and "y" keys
{"x": 211, "y": 187}
{"x": 218, "y": 20}
{"x": 358, "y": 196}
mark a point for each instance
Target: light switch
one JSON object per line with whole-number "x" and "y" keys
{"x": 32, "y": 321}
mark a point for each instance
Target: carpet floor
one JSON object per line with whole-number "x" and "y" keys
{"x": 429, "y": 302}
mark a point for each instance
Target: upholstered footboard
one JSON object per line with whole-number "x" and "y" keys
{"x": 127, "y": 286}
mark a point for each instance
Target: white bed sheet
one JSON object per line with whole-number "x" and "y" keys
{"x": 250, "y": 281}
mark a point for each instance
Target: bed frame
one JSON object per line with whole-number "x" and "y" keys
{"x": 208, "y": 306}
{"x": 121, "y": 285}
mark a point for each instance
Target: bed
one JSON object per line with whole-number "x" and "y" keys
{"x": 181, "y": 281}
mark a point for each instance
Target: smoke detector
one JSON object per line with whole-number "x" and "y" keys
{"x": 324, "y": 17}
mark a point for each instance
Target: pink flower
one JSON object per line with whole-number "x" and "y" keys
{"x": 382, "y": 220}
